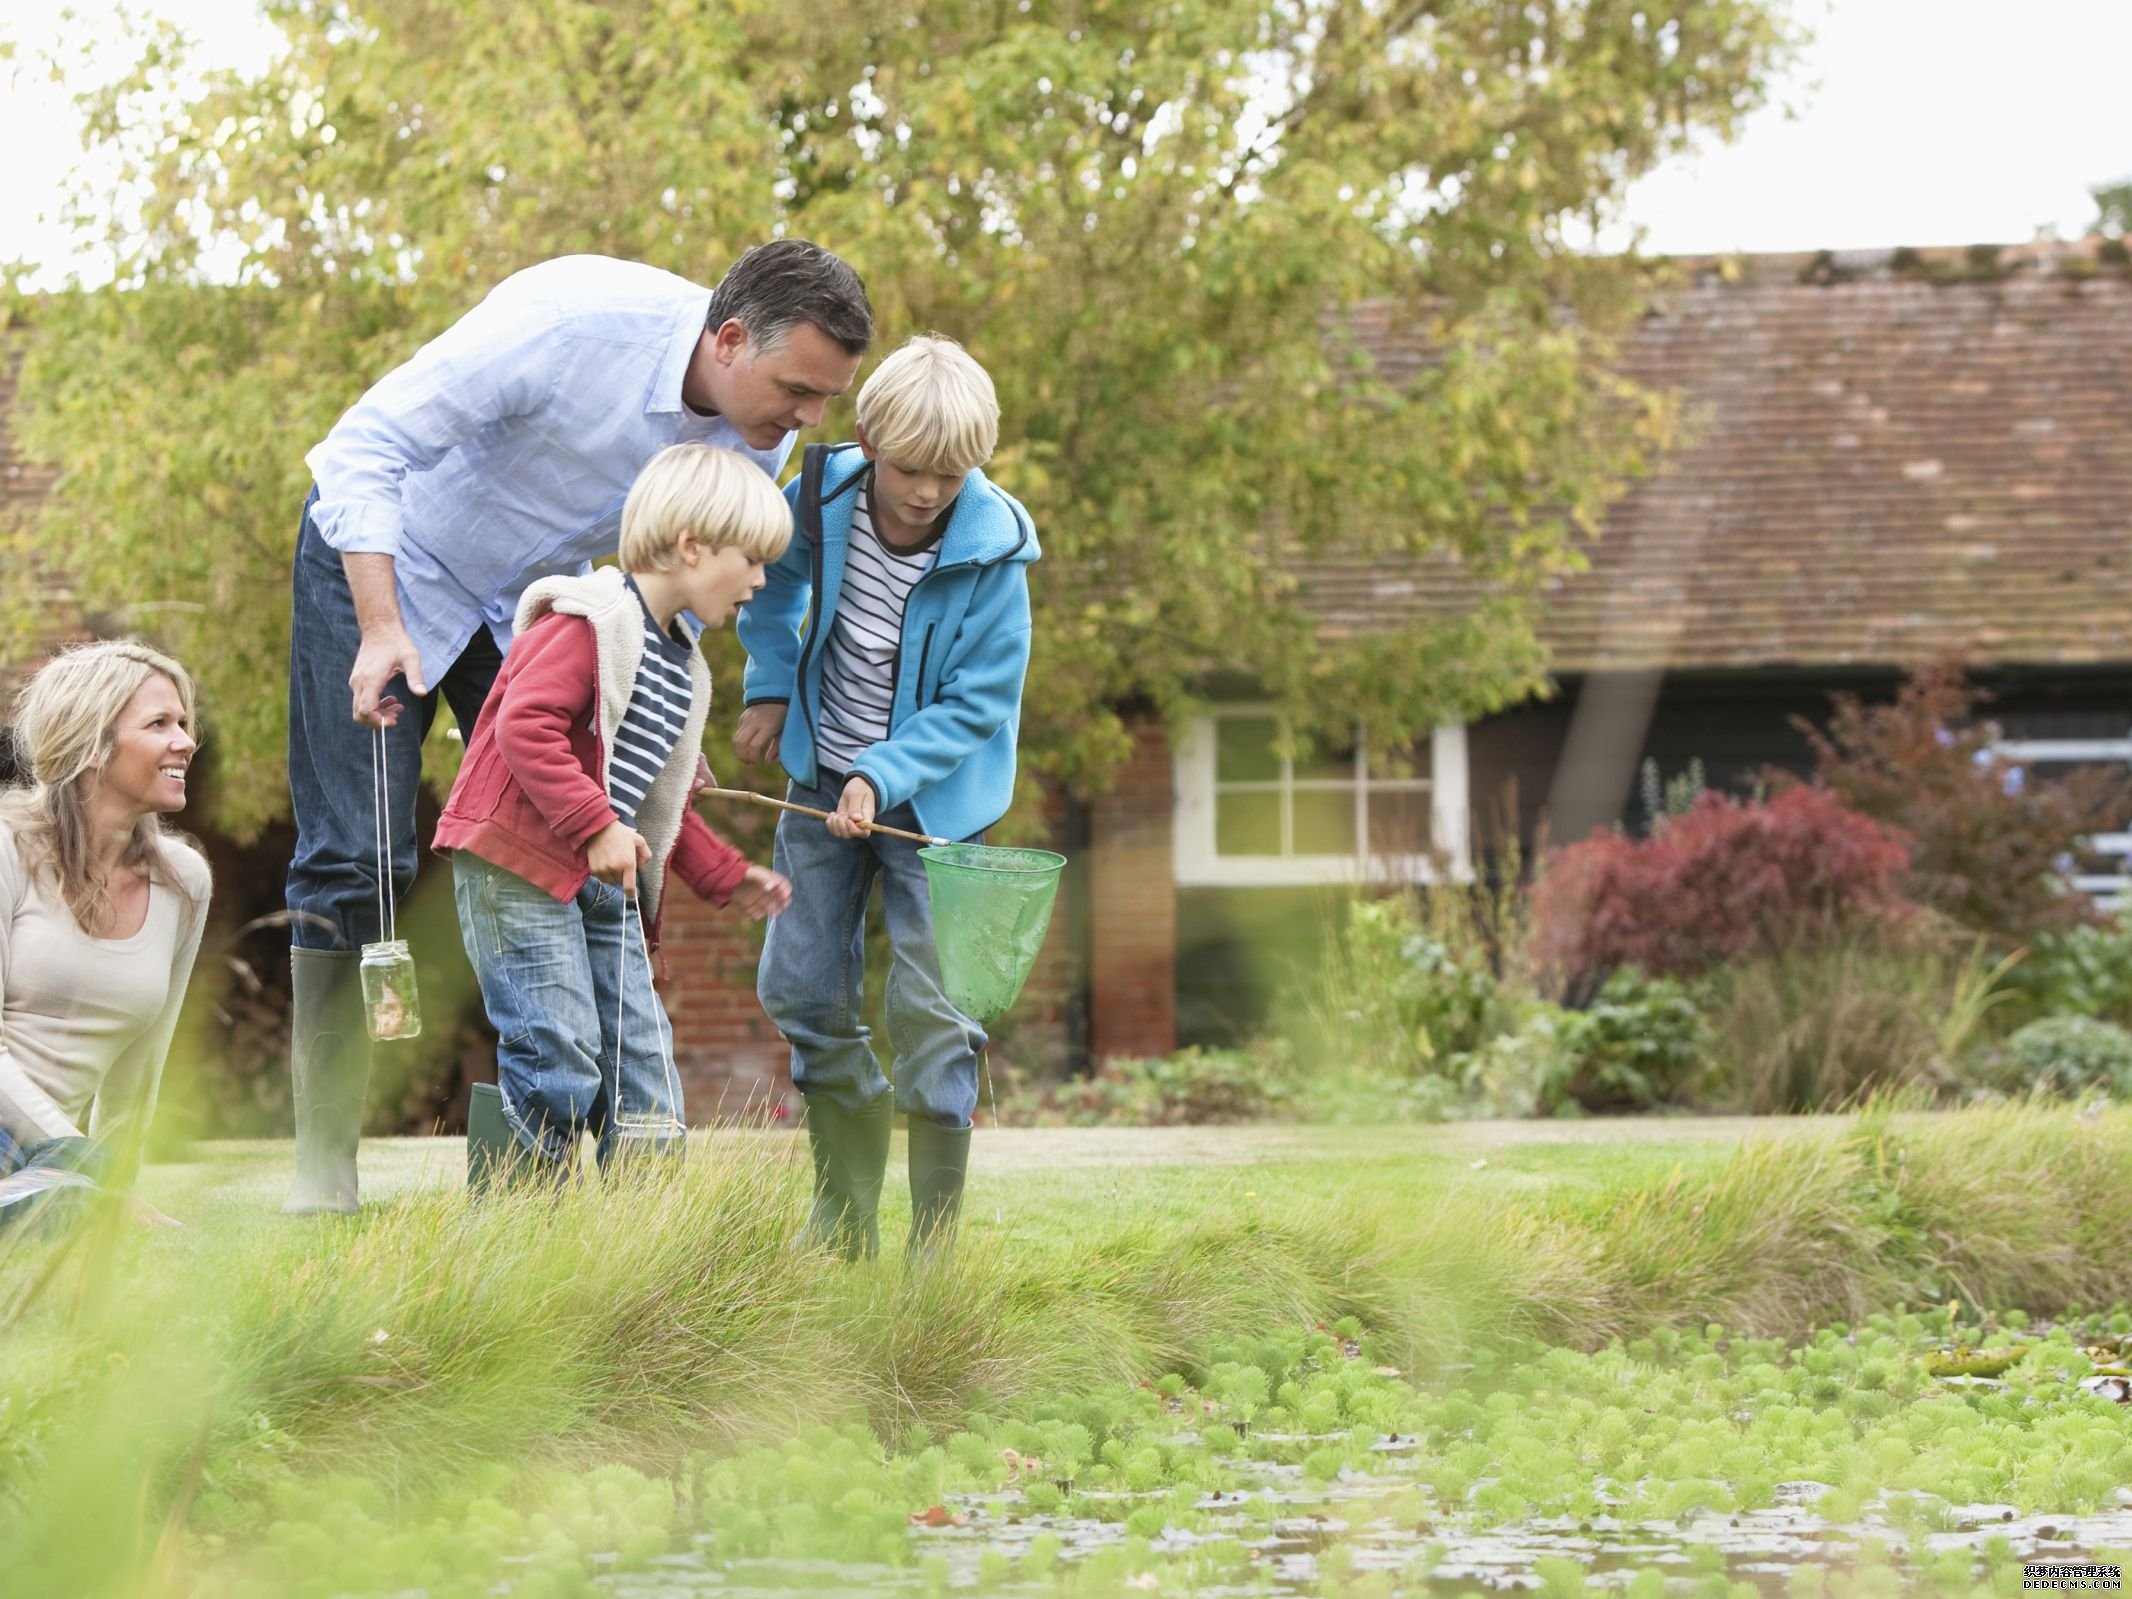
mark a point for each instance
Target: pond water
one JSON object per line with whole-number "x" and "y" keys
{"x": 1295, "y": 1465}
{"x": 1274, "y": 1536}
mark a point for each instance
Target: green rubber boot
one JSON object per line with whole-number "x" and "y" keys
{"x": 850, "y": 1159}
{"x": 940, "y": 1160}
{"x": 329, "y": 1067}
{"x": 490, "y": 1146}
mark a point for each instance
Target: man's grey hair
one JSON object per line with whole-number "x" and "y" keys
{"x": 775, "y": 287}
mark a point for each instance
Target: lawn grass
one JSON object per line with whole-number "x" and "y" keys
{"x": 158, "y": 1386}
{"x": 1050, "y": 1189}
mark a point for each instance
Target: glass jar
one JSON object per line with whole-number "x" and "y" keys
{"x": 391, "y": 1003}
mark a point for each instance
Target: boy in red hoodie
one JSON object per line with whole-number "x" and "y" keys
{"x": 572, "y": 804}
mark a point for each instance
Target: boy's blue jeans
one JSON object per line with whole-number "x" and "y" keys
{"x": 812, "y": 979}
{"x": 548, "y": 974}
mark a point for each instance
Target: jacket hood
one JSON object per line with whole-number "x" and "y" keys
{"x": 986, "y": 524}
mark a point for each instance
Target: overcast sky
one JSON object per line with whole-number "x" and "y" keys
{"x": 1910, "y": 122}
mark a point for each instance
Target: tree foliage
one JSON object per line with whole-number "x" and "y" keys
{"x": 2113, "y": 209}
{"x": 1162, "y": 227}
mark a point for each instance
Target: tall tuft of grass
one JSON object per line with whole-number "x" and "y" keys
{"x": 1410, "y": 979}
{"x": 655, "y": 1308}
{"x": 1824, "y": 1026}
{"x": 2027, "y": 1205}
{"x": 1772, "y": 1240}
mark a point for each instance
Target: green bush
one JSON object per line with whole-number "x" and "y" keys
{"x": 1194, "y": 1087}
{"x": 2067, "y": 1055}
{"x": 2079, "y": 971}
{"x": 1819, "y": 1028}
{"x": 1412, "y": 981}
{"x": 1640, "y": 1045}
{"x": 1400, "y": 995}
{"x": 1521, "y": 1073}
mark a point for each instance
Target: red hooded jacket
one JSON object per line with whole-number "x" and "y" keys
{"x": 532, "y": 793}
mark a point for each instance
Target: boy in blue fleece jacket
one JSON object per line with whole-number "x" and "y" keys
{"x": 886, "y": 653}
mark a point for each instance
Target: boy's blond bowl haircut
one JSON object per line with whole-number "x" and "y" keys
{"x": 721, "y": 497}
{"x": 931, "y": 406}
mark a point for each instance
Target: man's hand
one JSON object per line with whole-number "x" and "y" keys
{"x": 387, "y": 652}
{"x": 761, "y": 893}
{"x": 755, "y": 739}
{"x": 614, "y": 855}
{"x": 855, "y": 809}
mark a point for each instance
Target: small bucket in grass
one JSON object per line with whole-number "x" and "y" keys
{"x": 991, "y": 907}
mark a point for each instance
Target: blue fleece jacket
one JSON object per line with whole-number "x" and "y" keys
{"x": 957, "y": 703}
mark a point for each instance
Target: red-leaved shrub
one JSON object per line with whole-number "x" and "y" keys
{"x": 1728, "y": 879}
{"x": 1989, "y": 843}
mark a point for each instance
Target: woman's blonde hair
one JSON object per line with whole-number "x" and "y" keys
{"x": 932, "y": 407}
{"x": 720, "y": 496}
{"x": 66, "y": 723}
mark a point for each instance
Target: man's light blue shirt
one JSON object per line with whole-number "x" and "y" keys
{"x": 501, "y": 453}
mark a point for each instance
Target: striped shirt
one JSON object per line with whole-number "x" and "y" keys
{"x": 859, "y": 669}
{"x": 651, "y": 727}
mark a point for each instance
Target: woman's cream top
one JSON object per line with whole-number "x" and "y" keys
{"x": 86, "y": 1022}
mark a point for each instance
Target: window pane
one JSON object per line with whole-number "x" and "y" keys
{"x": 1325, "y": 821}
{"x": 1326, "y": 765}
{"x": 1247, "y": 824}
{"x": 1243, "y": 750}
{"x": 1399, "y": 821}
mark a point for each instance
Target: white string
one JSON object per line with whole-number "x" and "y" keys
{"x": 666, "y": 1052}
{"x": 392, "y": 894}
{"x": 621, "y": 973}
{"x": 381, "y": 834}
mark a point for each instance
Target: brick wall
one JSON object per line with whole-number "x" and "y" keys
{"x": 730, "y": 1059}
{"x": 1133, "y": 906}
{"x": 1045, "y": 1034}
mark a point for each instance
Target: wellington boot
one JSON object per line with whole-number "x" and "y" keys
{"x": 850, "y": 1159}
{"x": 329, "y": 1064}
{"x": 940, "y": 1160}
{"x": 490, "y": 1147}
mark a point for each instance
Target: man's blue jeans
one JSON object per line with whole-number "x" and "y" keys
{"x": 549, "y": 973}
{"x": 812, "y": 979}
{"x": 332, "y": 884}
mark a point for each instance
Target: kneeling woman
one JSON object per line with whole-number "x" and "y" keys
{"x": 100, "y": 914}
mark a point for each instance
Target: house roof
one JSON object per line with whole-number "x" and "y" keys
{"x": 1887, "y": 456}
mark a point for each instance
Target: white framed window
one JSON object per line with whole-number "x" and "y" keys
{"x": 1247, "y": 816}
